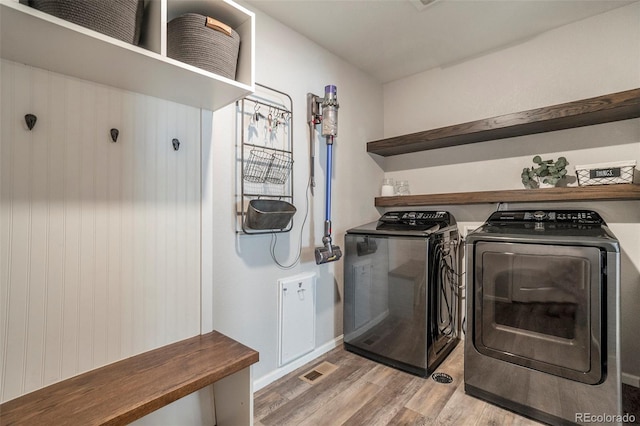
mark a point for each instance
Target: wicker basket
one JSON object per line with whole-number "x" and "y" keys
{"x": 189, "y": 40}
{"x": 606, "y": 173}
{"x": 120, "y": 19}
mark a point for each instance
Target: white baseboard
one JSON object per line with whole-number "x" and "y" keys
{"x": 286, "y": 369}
{"x": 631, "y": 380}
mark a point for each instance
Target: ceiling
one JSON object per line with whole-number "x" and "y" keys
{"x": 392, "y": 39}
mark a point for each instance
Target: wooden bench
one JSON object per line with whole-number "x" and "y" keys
{"x": 127, "y": 390}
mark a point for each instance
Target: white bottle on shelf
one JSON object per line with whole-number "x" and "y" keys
{"x": 388, "y": 189}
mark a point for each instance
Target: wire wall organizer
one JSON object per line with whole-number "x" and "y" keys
{"x": 264, "y": 145}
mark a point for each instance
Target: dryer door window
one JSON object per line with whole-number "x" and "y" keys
{"x": 539, "y": 306}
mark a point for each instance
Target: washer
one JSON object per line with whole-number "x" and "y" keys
{"x": 543, "y": 290}
{"x": 401, "y": 304}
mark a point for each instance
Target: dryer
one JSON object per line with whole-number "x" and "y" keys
{"x": 543, "y": 290}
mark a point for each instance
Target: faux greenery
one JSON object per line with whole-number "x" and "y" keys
{"x": 544, "y": 171}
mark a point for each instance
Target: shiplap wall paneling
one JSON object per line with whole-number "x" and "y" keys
{"x": 100, "y": 241}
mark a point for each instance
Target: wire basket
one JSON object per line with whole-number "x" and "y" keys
{"x": 606, "y": 173}
{"x": 257, "y": 166}
{"x": 280, "y": 168}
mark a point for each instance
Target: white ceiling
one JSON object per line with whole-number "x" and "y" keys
{"x": 392, "y": 39}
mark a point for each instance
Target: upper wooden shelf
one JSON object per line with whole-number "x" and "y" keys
{"x": 580, "y": 193}
{"x": 601, "y": 109}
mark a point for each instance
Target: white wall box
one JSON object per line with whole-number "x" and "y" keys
{"x": 297, "y": 317}
{"x": 41, "y": 40}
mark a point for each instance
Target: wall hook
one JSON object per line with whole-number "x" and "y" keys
{"x": 30, "y": 119}
{"x": 176, "y": 144}
{"x": 114, "y": 135}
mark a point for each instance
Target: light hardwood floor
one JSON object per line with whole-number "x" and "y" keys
{"x": 363, "y": 392}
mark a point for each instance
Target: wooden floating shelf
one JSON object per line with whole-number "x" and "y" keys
{"x": 619, "y": 192}
{"x": 602, "y": 109}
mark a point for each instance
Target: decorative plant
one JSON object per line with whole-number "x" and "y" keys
{"x": 547, "y": 171}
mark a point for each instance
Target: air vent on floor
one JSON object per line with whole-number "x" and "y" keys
{"x": 318, "y": 372}
{"x": 442, "y": 378}
{"x": 313, "y": 375}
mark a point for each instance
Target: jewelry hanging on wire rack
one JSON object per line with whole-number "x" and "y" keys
{"x": 266, "y": 128}
{"x": 273, "y": 125}
{"x": 285, "y": 117}
{"x": 252, "y": 130}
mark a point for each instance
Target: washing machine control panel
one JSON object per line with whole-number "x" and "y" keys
{"x": 415, "y": 220}
{"x": 553, "y": 216}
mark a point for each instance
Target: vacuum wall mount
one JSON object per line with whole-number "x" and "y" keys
{"x": 325, "y": 111}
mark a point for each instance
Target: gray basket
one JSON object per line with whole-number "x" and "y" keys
{"x": 120, "y": 19}
{"x": 269, "y": 214}
{"x": 189, "y": 40}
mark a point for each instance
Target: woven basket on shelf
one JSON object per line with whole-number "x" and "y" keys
{"x": 189, "y": 40}
{"x": 120, "y": 19}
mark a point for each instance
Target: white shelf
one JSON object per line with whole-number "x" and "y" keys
{"x": 35, "y": 38}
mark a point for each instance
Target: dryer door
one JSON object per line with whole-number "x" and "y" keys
{"x": 540, "y": 306}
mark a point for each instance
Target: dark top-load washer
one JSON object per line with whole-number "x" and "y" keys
{"x": 401, "y": 304}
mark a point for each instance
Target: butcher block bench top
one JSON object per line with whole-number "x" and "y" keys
{"x": 126, "y": 390}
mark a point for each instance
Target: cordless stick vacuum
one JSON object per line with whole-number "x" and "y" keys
{"x": 329, "y": 119}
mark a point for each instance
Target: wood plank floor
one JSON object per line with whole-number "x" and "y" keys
{"x": 363, "y": 392}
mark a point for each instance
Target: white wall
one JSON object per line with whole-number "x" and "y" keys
{"x": 596, "y": 56}
{"x": 245, "y": 299}
{"x": 589, "y": 58}
{"x": 99, "y": 241}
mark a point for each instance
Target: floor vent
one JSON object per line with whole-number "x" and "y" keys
{"x": 312, "y": 376}
{"x": 442, "y": 378}
{"x": 318, "y": 372}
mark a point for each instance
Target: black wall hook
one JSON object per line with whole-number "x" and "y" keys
{"x": 30, "y": 119}
{"x": 114, "y": 135}
{"x": 176, "y": 144}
